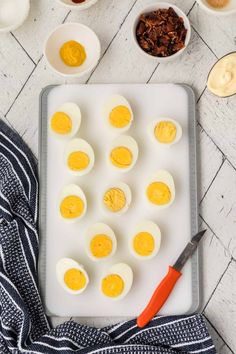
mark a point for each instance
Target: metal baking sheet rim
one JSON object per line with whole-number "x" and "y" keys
{"x": 195, "y": 267}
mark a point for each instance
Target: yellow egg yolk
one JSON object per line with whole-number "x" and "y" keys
{"x": 143, "y": 243}
{"x": 61, "y": 123}
{"x": 72, "y": 53}
{"x": 120, "y": 116}
{"x": 112, "y": 285}
{"x": 165, "y": 132}
{"x": 71, "y": 207}
{"x": 78, "y": 161}
{"x": 114, "y": 199}
{"x": 101, "y": 246}
{"x": 75, "y": 279}
{"x": 158, "y": 193}
{"x": 121, "y": 157}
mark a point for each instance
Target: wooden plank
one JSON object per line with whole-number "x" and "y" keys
{"x": 218, "y": 208}
{"x": 15, "y": 67}
{"x": 43, "y": 17}
{"x": 220, "y": 345}
{"x": 211, "y": 249}
{"x": 209, "y": 161}
{"x": 217, "y": 31}
{"x": 191, "y": 68}
{"x": 221, "y": 309}
{"x": 217, "y": 117}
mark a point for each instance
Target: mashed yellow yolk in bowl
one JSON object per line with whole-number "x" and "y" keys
{"x": 75, "y": 279}
{"x": 73, "y": 53}
{"x": 121, "y": 157}
{"x": 112, "y": 285}
{"x": 114, "y": 199}
{"x": 158, "y": 193}
{"x": 143, "y": 243}
{"x": 78, "y": 161}
{"x": 71, "y": 207}
{"x": 165, "y": 132}
{"x": 101, "y": 246}
{"x": 61, "y": 123}
{"x": 120, "y": 116}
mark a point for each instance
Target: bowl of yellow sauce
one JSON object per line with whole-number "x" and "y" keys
{"x": 72, "y": 50}
{"x": 221, "y": 80}
{"x": 218, "y": 7}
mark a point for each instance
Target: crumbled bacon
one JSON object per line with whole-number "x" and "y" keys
{"x": 161, "y": 33}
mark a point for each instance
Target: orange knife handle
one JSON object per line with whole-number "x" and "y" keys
{"x": 159, "y": 297}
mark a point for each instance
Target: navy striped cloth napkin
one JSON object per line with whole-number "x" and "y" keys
{"x": 24, "y": 327}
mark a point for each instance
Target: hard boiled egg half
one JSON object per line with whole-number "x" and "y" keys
{"x": 117, "y": 198}
{"x": 100, "y": 242}
{"x": 79, "y": 157}
{"x": 160, "y": 190}
{"x": 117, "y": 113}
{"x": 66, "y": 121}
{"x": 165, "y": 131}
{"x": 71, "y": 276}
{"x": 146, "y": 240}
{"x": 123, "y": 153}
{"x": 72, "y": 203}
{"x": 117, "y": 282}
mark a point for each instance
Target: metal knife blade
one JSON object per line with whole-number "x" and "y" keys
{"x": 188, "y": 251}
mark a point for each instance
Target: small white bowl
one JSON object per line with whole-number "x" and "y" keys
{"x": 226, "y": 10}
{"x": 73, "y": 6}
{"x": 154, "y": 7}
{"x": 212, "y": 68}
{"x": 79, "y": 33}
{"x": 13, "y": 14}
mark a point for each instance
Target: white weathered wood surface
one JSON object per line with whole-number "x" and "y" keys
{"x": 23, "y": 73}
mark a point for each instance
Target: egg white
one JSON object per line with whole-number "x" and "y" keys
{"x": 100, "y": 228}
{"x": 112, "y": 102}
{"x": 126, "y": 273}
{"x": 154, "y": 230}
{"x": 73, "y": 111}
{"x": 79, "y": 145}
{"x": 128, "y": 196}
{"x": 164, "y": 177}
{"x": 65, "y": 264}
{"x": 128, "y": 142}
{"x": 151, "y": 129}
{"x": 72, "y": 190}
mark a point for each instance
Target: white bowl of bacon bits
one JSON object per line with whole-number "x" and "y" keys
{"x": 161, "y": 31}
{"x": 77, "y": 4}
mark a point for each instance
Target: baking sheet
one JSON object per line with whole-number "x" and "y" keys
{"x": 177, "y": 223}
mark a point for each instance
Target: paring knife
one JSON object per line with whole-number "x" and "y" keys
{"x": 166, "y": 286}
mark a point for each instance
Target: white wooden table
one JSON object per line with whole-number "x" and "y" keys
{"x": 23, "y": 73}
